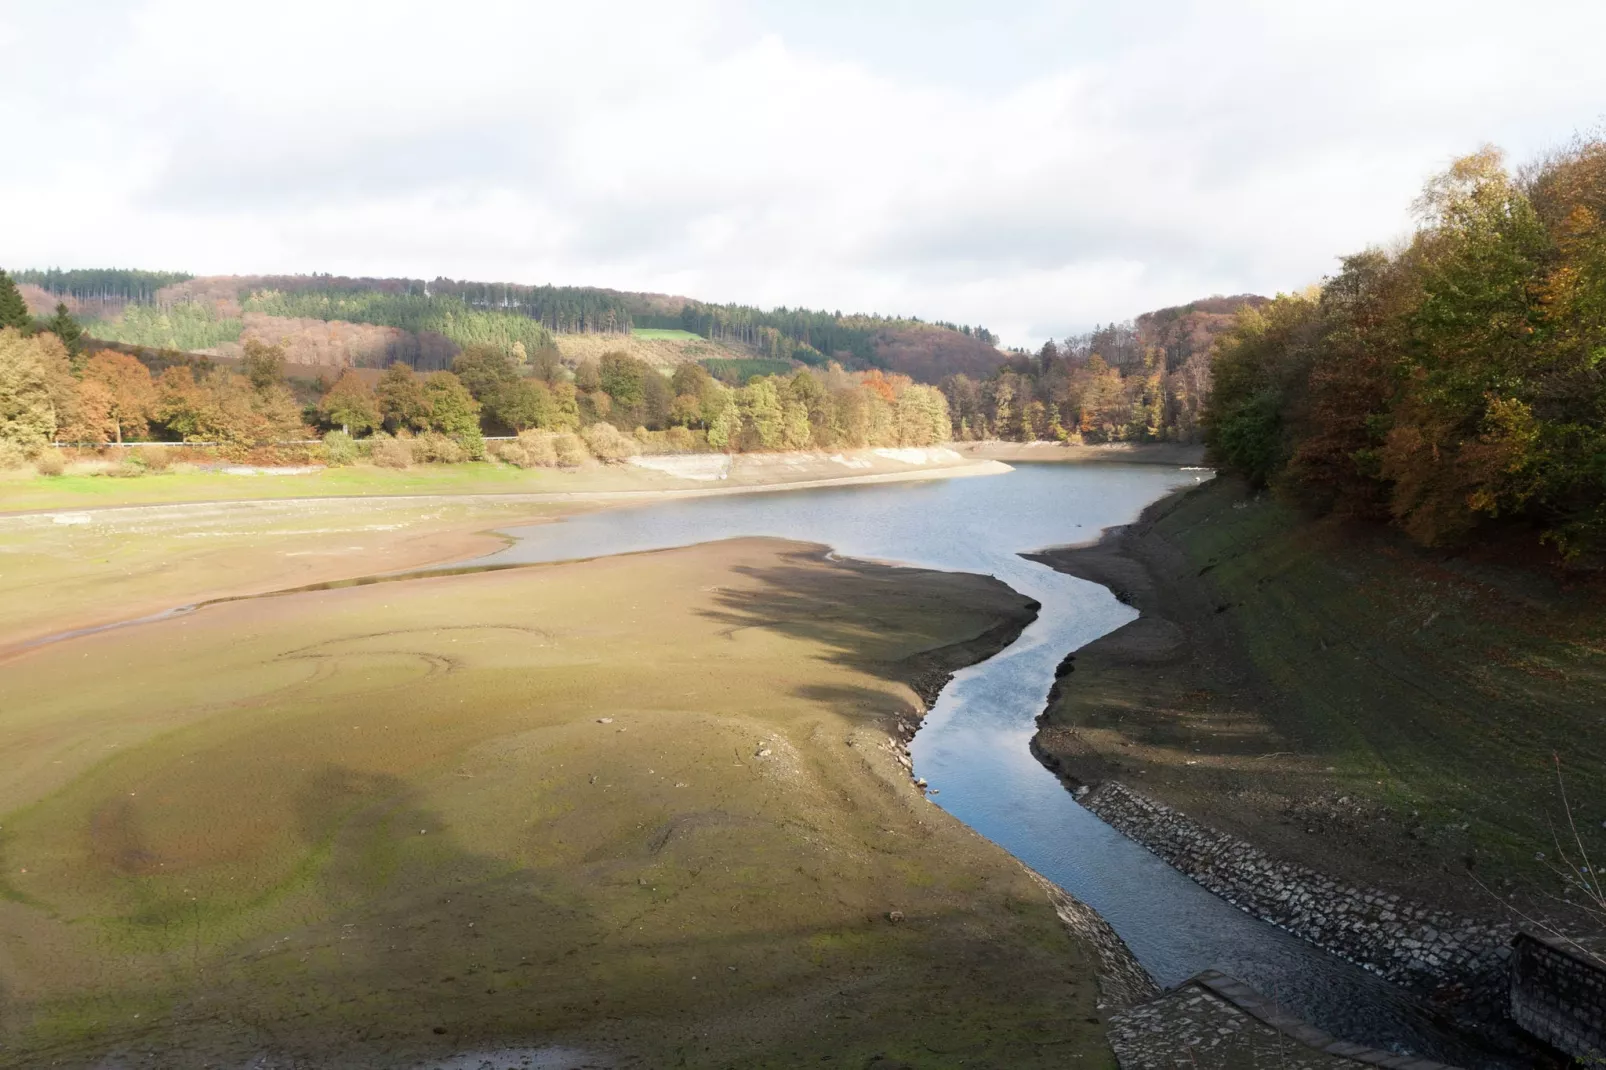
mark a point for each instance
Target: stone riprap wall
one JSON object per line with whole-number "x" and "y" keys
{"x": 1409, "y": 944}
{"x": 1558, "y": 993}
{"x": 1123, "y": 982}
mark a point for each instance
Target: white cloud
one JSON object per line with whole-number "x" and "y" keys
{"x": 1036, "y": 170}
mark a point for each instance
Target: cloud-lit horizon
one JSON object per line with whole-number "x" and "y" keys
{"x": 1036, "y": 169}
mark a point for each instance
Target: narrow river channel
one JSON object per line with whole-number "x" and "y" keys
{"x": 973, "y": 747}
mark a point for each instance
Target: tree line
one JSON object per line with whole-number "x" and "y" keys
{"x": 54, "y": 389}
{"x": 560, "y": 309}
{"x": 184, "y": 325}
{"x": 1110, "y": 385}
{"x": 175, "y": 309}
{"x": 447, "y": 315}
{"x": 99, "y": 284}
{"x": 800, "y": 334}
{"x": 1451, "y": 385}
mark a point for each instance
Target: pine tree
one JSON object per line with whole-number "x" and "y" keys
{"x": 13, "y": 309}
{"x": 63, "y": 326}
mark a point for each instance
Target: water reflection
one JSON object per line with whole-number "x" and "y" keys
{"x": 974, "y": 745}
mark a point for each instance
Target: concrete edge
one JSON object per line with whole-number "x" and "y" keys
{"x": 1264, "y": 1010}
{"x": 1563, "y": 946}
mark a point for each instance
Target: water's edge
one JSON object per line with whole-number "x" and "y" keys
{"x": 975, "y": 741}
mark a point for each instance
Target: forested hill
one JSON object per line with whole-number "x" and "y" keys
{"x": 424, "y": 322}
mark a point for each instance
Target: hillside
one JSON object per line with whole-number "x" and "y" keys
{"x": 930, "y": 354}
{"x": 657, "y": 351}
{"x": 339, "y": 321}
{"x": 1185, "y": 332}
{"x": 1344, "y": 699}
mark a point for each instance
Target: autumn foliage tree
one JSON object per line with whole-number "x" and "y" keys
{"x": 37, "y": 395}
{"x": 350, "y": 405}
{"x": 116, "y": 397}
{"x": 1457, "y": 383}
{"x": 403, "y": 405}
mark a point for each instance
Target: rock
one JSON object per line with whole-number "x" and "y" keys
{"x": 895, "y": 916}
{"x": 605, "y": 720}
{"x": 763, "y": 752}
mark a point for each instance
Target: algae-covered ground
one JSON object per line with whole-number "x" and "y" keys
{"x": 642, "y": 806}
{"x": 1345, "y": 699}
{"x": 66, "y": 571}
{"x": 88, "y": 484}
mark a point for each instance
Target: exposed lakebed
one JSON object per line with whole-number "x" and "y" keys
{"x": 974, "y": 749}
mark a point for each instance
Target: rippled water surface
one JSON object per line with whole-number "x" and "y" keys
{"x": 973, "y": 747}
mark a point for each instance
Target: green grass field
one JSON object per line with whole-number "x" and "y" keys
{"x": 640, "y": 805}
{"x": 20, "y": 492}
{"x": 662, "y": 334}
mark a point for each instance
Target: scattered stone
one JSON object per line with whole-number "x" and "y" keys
{"x": 895, "y": 916}
{"x": 605, "y": 720}
{"x": 763, "y": 752}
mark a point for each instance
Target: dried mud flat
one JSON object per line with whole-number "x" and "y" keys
{"x": 648, "y": 809}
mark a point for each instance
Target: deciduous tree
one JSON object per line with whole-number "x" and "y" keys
{"x": 37, "y": 391}
{"x": 403, "y": 405}
{"x": 127, "y": 389}
{"x": 350, "y": 405}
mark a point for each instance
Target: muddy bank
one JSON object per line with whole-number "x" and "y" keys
{"x": 1343, "y": 734}
{"x": 646, "y": 806}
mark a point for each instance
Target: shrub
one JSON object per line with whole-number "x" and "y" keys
{"x": 607, "y": 443}
{"x": 153, "y": 458}
{"x": 472, "y": 443}
{"x": 390, "y": 452}
{"x": 339, "y": 449}
{"x": 571, "y": 452}
{"x": 50, "y": 463}
{"x": 432, "y": 447}
{"x": 11, "y": 455}
{"x": 680, "y": 439}
{"x": 532, "y": 449}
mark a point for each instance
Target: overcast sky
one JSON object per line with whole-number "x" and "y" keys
{"x": 1035, "y": 167}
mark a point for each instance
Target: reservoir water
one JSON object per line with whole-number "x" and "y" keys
{"x": 974, "y": 745}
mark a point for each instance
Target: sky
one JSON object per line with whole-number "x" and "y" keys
{"x": 1034, "y": 167}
